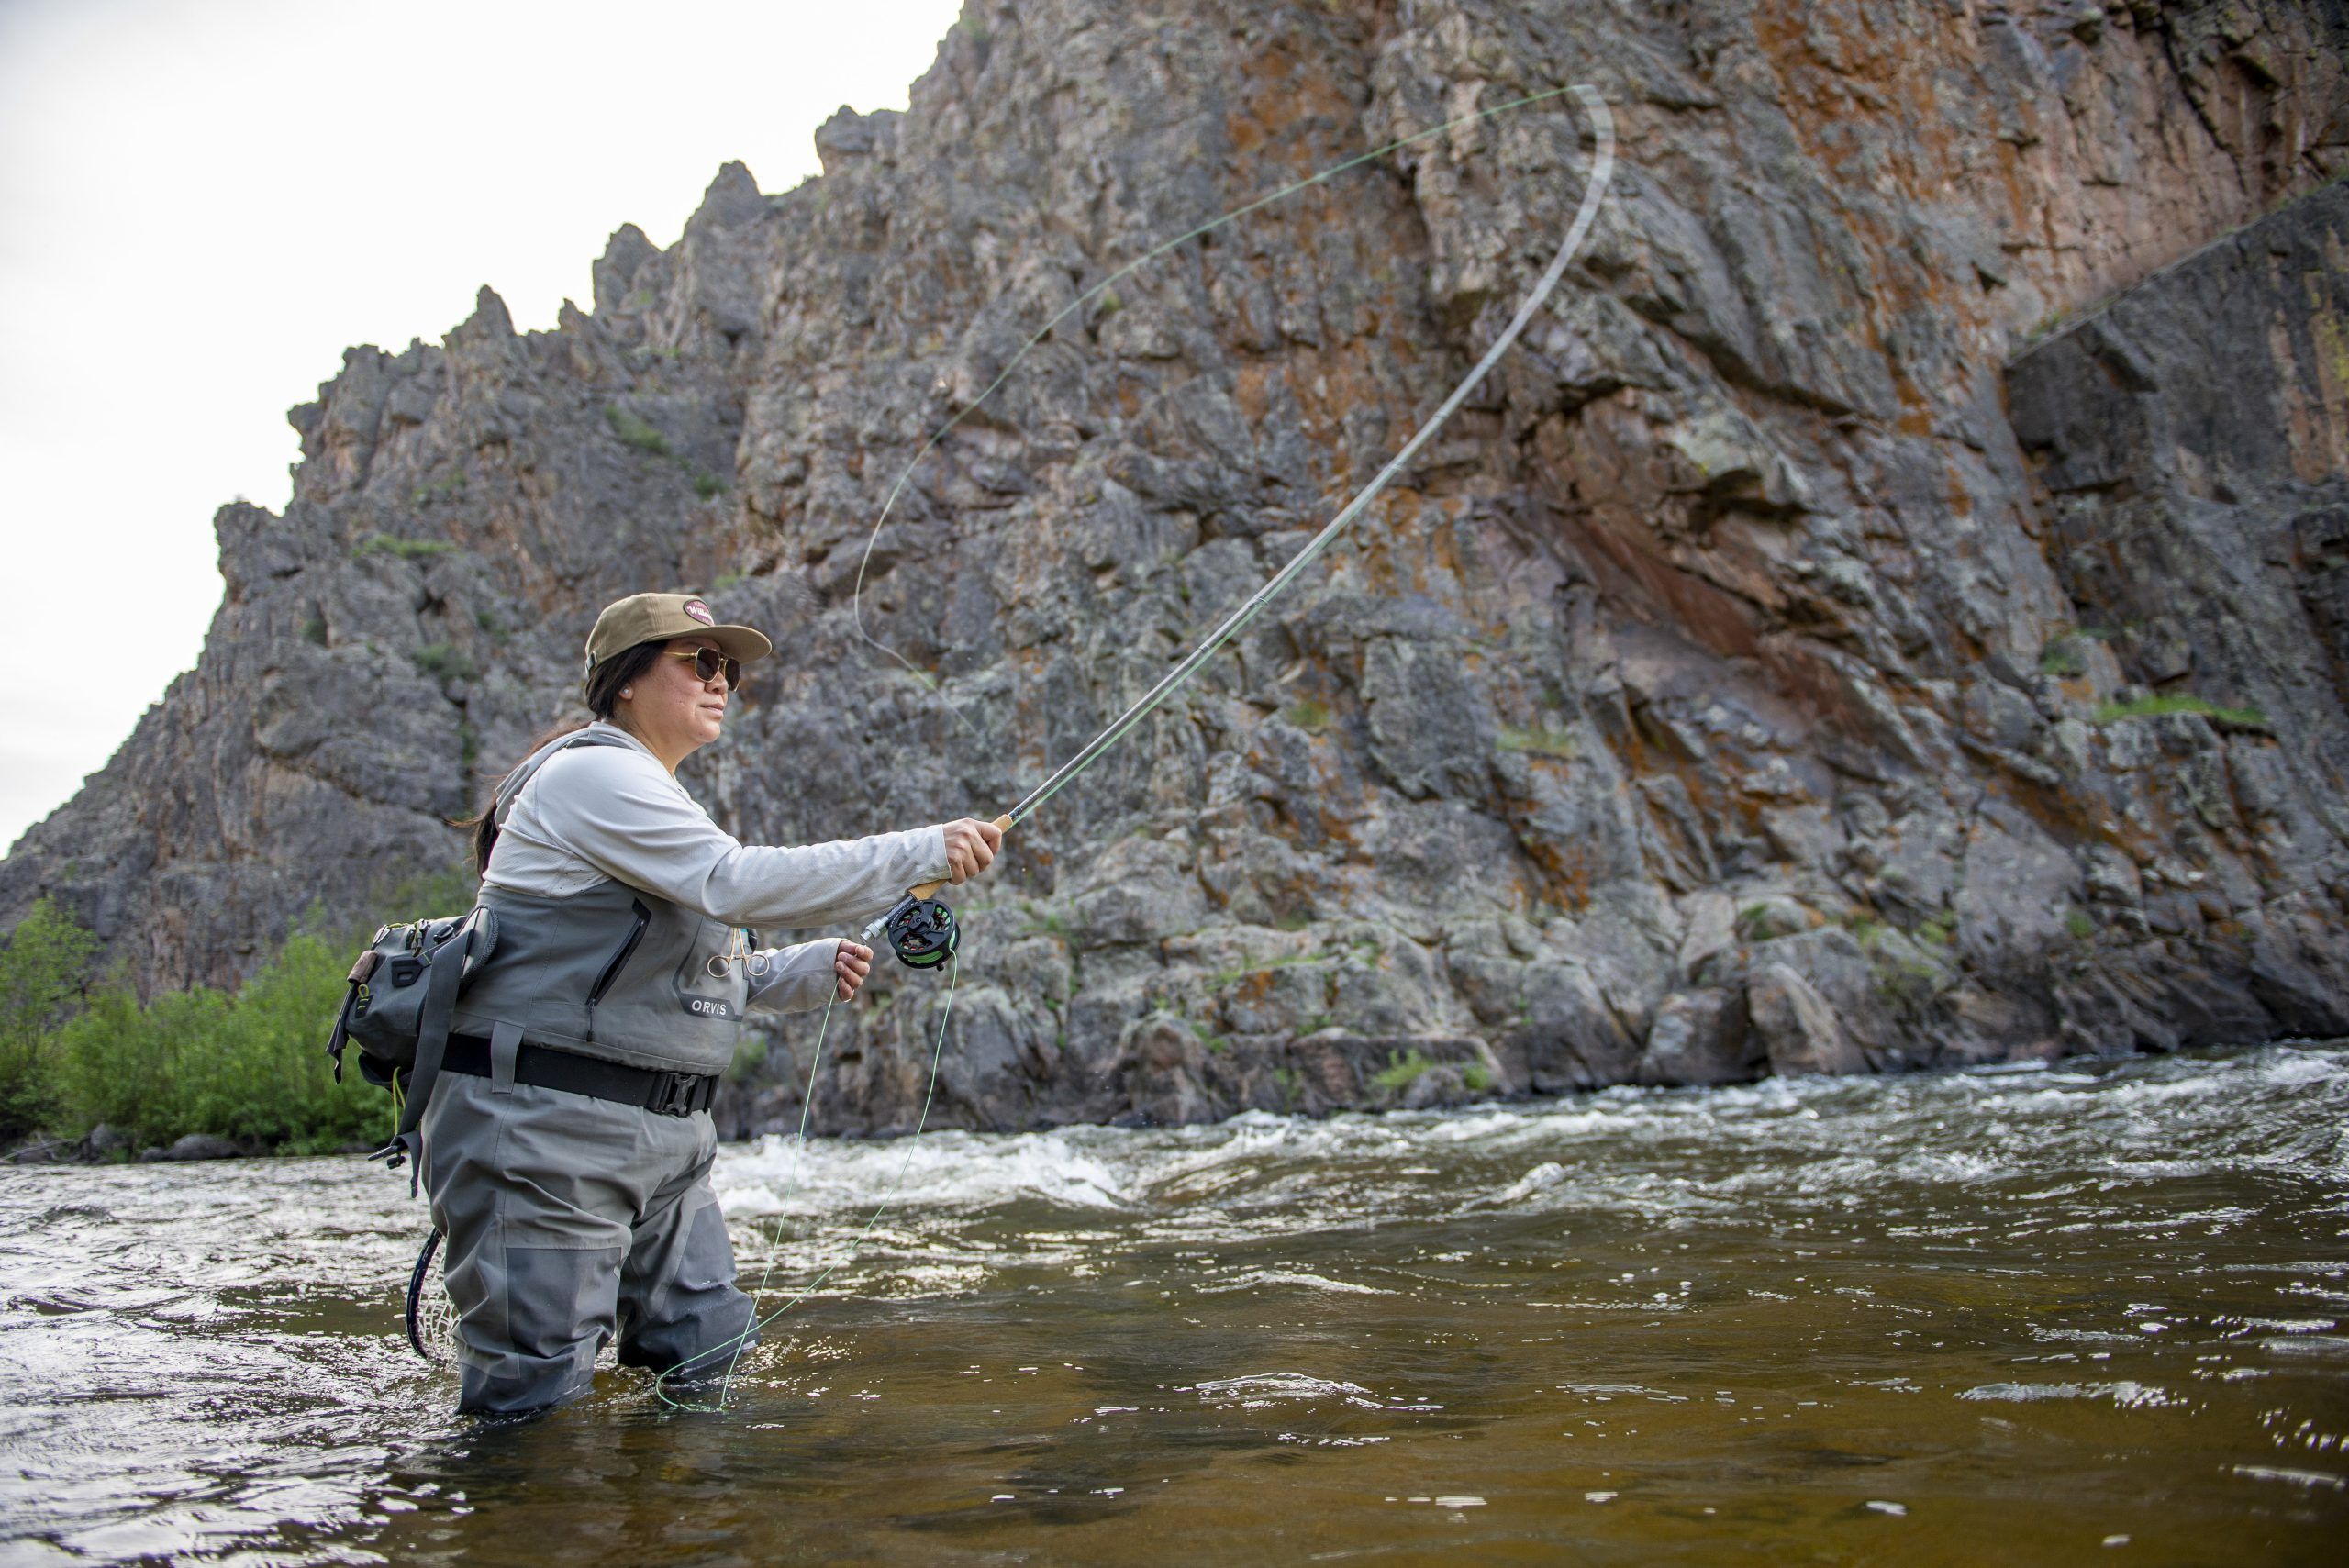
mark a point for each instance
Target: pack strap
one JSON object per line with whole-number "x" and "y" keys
{"x": 511, "y": 790}
{"x": 341, "y": 1036}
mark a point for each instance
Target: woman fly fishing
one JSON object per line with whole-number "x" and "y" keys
{"x": 567, "y": 1143}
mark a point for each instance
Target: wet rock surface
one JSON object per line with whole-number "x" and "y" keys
{"x": 1734, "y": 688}
{"x": 196, "y": 1146}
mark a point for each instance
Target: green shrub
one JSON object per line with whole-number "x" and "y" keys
{"x": 271, "y": 1081}
{"x": 707, "y": 484}
{"x": 41, "y": 974}
{"x": 2079, "y": 924}
{"x": 1477, "y": 1078}
{"x": 249, "y": 1064}
{"x": 1308, "y": 714}
{"x": 130, "y": 1065}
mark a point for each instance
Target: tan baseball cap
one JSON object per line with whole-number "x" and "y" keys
{"x": 657, "y": 618}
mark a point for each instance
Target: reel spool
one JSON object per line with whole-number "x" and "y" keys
{"x": 922, "y": 932}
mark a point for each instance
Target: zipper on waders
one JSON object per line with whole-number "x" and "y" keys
{"x": 612, "y": 968}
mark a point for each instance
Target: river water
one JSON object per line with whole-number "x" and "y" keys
{"x": 2092, "y": 1311}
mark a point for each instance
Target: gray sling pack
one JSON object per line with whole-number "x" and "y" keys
{"x": 403, "y": 994}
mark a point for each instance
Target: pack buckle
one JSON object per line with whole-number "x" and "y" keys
{"x": 680, "y": 1094}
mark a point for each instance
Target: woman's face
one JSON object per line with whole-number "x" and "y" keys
{"x": 673, "y": 710}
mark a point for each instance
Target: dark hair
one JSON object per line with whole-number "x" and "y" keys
{"x": 600, "y": 690}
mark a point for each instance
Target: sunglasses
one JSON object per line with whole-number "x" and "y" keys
{"x": 708, "y": 662}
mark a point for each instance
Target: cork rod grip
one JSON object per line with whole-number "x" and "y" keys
{"x": 929, "y": 889}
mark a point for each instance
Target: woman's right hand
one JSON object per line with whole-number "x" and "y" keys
{"x": 971, "y": 845}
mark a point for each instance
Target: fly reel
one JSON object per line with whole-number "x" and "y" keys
{"x": 922, "y": 932}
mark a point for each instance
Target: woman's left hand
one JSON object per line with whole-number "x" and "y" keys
{"x": 850, "y": 965}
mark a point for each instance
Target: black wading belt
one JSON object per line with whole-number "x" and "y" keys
{"x": 663, "y": 1090}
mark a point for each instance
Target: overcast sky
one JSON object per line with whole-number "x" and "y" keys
{"x": 204, "y": 202}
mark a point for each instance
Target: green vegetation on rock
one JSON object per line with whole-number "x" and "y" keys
{"x": 1540, "y": 742}
{"x": 444, "y": 662}
{"x": 440, "y": 489}
{"x": 402, "y": 549}
{"x": 639, "y": 435}
{"x": 2156, "y": 706}
{"x": 1247, "y": 967}
{"x": 1403, "y": 1069}
{"x": 2064, "y": 654}
{"x": 634, "y": 433}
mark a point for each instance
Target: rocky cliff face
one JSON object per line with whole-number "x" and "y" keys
{"x": 1734, "y": 689}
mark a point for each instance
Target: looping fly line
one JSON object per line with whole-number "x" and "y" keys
{"x": 1601, "y": 171}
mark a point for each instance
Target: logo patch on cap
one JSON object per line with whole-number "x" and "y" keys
{"x": 699, "y": 611}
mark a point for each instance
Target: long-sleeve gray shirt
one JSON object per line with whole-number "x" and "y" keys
{"x": 599, "y": 813}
